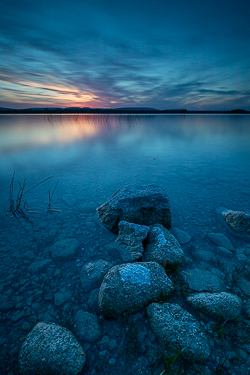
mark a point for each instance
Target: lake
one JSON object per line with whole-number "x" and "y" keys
{"x": 68, "y": 165}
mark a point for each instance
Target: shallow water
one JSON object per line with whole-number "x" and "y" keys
{"x": 203, "y": 162}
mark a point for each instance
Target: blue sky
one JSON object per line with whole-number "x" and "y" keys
{"x": 166, "y": 54}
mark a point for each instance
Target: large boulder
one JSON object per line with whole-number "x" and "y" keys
{"x": 92, "y": 274}
{"x": 130, "y": 239}
{"x": 130, "y": 287}
{"x": 64, "y": 249}
{"x": 51, "y": 349}
{"x": 179, "y": 331}
{"x": 162, "y": 247}
{"x": 221, "y": 305}
{"x": 139, "y": 204}
{"x": 238, "y": 222}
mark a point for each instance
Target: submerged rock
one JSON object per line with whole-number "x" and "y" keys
{"x": 181, "y": 236}
{"x": 237, "y": 222}
{"x": 64, "y": 249}
{"x": 179, "y": 331}
{"x": 222, "y": 305}
{"x": 51, "y": 349}
{"x": 130, "y": 287}
{"x": 202, "y": 280}
{"x": 220, "y": 240}
{"x": 86, "y": 326}
{"x": 139, "y": 204}
{"x": 130, "y": 239}
{"x": 162, "y": 247}
{"x": 92, "y": 274}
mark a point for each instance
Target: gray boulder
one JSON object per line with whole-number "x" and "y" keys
{"x": 64, "y": 249}
{"x": 51, "y": 349}
{"x": 92, "y": 274}
{"x": 202, "y": 280}
{"x": 86, "y": 326}
{"x": 179, "y": 331}
{"x": 130, "y": 287}
{"x": 220, "y": 239}
{"x": 181, "y": 236}
{"x": 139, "y": 204}
{"x": 221, "y": 305}
{"x": 162, "y": 247}
{"x": 237, "y": 222}
{"x": 130, "y": 239}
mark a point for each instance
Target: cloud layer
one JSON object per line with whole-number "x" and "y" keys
{"x": 164, "y": 54}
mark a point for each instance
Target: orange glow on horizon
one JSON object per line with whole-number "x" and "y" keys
{"x": 48, "y": 94}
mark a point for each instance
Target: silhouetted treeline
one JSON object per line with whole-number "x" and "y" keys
{"x": 114, "y": 111}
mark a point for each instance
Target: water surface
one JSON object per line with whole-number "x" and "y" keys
{"x": 203, "y": 162}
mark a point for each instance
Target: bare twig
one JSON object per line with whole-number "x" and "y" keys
{"x": 49, "y": 208}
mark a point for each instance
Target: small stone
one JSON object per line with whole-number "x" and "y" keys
{"x": 202, "y": 280}
{"x": 92, "y": 274}
{"x": 65, "y": 249}
{"x": 181, "y": 236}
{"x": 222, "y": 251}
{"x": 130, "y": 239}
{"x": 162, "y": 247}
{"x": 87, "y": 327}
{"x": 62, "y": 297}
{"x": 220, "y": 240}
{"x": 238, "y": 222}
{"x": 39, "y": 266}
{"x": 222, "y": 305}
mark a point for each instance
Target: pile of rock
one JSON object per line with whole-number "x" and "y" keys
{"x": 141, "y": 216}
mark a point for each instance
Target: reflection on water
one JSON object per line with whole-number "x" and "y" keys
{"x": 203, "y": 162}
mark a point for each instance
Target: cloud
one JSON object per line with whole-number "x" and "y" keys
{"x": 174, "y": 53}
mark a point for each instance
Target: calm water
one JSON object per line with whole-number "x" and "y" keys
{"x": 203, "y": 162}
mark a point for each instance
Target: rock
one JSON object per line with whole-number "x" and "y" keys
{"x": 40, "y": 265}
{"x": 93, "y": 300}
{"x": 87, "y": 327}
{"x": 203, "y": 256}
{"x": 221, "y": 305}
{"x": 130, "y": 239}
{"x": 221, "y": 240}
{"x": 51, "y": 349}
{"x": 130, "y": 287}
{"x": 222, "y": 251}
{"x": 92, "y": 274}
{"x": 237, "y": 222}
{"x": 162, "y": 247}
{"x": 181, "y": 236}
{"x": 202, "y": 280}
{"x": 62, "y": 297}
{"x": 179, "y": 331}
{"x": 6, "y": 303}
{"x": 139, "y": 204}
{"x": 64, "y": 249}
{"x": 244, "y": 285}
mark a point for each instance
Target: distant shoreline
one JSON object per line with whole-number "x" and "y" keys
{"x": 113, "y": 111}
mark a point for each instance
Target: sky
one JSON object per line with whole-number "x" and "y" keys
{"x": 164, "y": 54}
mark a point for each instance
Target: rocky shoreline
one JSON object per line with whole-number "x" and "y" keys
{"x": 150, "y": 303}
